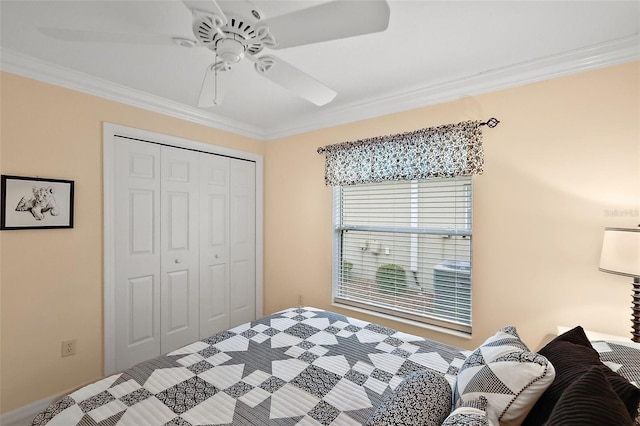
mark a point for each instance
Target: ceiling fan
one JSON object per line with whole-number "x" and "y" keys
{"x": 241, "y": 32}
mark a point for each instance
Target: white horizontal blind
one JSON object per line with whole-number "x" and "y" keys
{"x": 404, "y": 248}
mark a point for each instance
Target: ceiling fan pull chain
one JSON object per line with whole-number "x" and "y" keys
{"x": 215, "y": 82}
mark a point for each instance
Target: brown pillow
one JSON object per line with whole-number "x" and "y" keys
{"x": 572, "y": 356}
{"x": 590, "y": 400}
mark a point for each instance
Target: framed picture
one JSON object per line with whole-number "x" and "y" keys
{"x": 36, "y": 203}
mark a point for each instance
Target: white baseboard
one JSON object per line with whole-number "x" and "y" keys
{"x": 24, "y": 415}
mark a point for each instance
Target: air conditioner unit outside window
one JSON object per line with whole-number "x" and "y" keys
{"x": 452, "y": 288}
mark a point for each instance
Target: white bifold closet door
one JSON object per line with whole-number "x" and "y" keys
{"x": 137, "y": 251}
{"x": 185, "y": 247}
{"x": 242, "y": 242}
{"x": 227, "y": 243}
{"x": 214, "y": 237}
{"x": 179, "y": 248}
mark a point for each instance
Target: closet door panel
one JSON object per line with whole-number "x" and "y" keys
{"x": 178, "y": 296}
{"x": 178, "y": 221}
{"x": 179, "y": 241}
{"x": 141, "y": 319}
{"x": 242, "y": 245}
{"x": 137, "y": 251}
{"x": 214, "y": 245}
{"x": 142, "y": 221}
{"x": 242, "y": 293}
{"x": 214, "y": 300}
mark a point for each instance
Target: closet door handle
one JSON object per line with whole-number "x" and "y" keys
{"x": 216, "y": 256}
{"x": 177, "y": 261}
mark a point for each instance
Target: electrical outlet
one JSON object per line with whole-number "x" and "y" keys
{"x": 68, "y": 347}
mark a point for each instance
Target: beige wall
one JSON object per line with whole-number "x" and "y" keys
{"x": 564, "y": 158}
{"x": 51, "y": 280}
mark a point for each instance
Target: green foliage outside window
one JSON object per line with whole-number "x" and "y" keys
{"x": 391, "y": 279}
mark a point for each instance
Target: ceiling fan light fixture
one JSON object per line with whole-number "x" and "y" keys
{"x": 230, "y": 51}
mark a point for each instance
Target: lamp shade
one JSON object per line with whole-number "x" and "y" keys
{"x": 621, "y": 251}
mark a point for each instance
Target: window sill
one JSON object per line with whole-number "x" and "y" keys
{"x": 405, "y": 321}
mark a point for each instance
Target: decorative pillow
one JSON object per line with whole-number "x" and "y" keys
{"x": 423, "y": 398}
{"x": 470, "y": 413}
{"x": 623, "y": 357}
{"x": 504, "y": 371}
{"x": 590, "y": 400}
{"x": 572, "y": 355}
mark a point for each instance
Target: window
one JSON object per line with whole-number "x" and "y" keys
{"x": 404, "y": 248}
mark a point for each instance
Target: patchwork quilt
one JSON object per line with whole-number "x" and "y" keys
{"x": 301, "y": 366}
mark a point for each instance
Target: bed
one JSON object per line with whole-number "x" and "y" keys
{"x": 306, "y": 366}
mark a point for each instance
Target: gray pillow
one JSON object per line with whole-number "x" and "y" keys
{"x": 424, "y": 398}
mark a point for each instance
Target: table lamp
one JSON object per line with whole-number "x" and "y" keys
{"x": 621, "y": 256}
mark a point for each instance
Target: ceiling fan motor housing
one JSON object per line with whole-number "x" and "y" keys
{"x": 240, "y": 36}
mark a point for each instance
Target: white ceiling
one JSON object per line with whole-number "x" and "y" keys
{"x": 432, "y": 51}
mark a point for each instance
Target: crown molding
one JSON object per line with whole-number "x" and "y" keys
{"x": 588, "y": 58}
{"x": 37, "y": 69}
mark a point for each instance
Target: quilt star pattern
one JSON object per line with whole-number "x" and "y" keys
{"x": 301, "y": 366}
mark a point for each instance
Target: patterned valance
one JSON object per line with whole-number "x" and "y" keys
{"x": 443, "y": 151}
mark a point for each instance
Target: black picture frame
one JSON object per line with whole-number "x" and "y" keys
{"x": 35, "y": 203}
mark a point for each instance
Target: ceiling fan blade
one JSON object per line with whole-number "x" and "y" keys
{"x": 290, "y": 77}
{"x": 328, "y": 21}
{"x": 213, "y": 86}
{"x": 208, "y": 6}
{"x": 84, "y": 36}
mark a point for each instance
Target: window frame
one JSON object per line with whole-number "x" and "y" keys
{"x": 450, "y": 327}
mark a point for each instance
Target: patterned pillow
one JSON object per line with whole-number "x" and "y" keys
{"x": 504, "y": 371}
{"x": 590, "y": 400}
{"x": 623, "y": 358}
{"x": 423, "y": 398}
{"x": 470, "y": 413}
